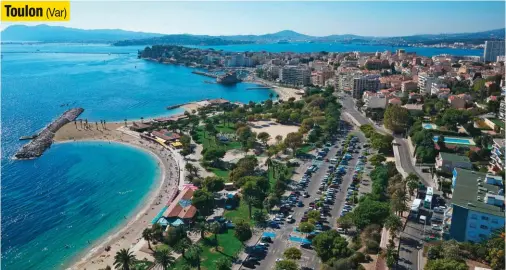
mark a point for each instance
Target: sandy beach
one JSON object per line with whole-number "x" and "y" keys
{"x": 129, "y": 233}
{"x": 273, "y": 128}
{"x": 284, "y": 92}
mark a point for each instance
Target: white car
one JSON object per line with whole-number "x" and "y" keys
{"x": 341, "y": 230}
{"x": 279, "y": 259}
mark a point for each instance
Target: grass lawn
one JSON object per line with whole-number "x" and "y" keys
{"x": 306, "y": 148}
{"x": 220, "y": 173}
{"x": 209, "y": 142}
{"x": 241, "y": 212}
{"x": 229, "y": 247}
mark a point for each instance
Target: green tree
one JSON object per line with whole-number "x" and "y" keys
{"x": 223, "y": 263}
{"x": 260, "y": 217}
{"x": 345, "y": 222}
{"x": 250, "y": 200}
{"x": 445, "y": 264}
{"x": 293, "y": 141}
{"x": 396, "y": 118}
{"x": 313, "y": 214}
{"x": 215, "y": 228}
{"x": 214, "y": 184}
{"x": 242, "y": 231}
{"x": 183, "y": 245}
{"x": 147, "y": 235}
{"x": 203, "y": 200}
{"x": 286, "y": 265}
{"x": 124, "y": 259}
{"x": 194, "y": 256}
{"x": 201, "y": 227}
{"x": 370, "y": 212}
{"x": 214, "y": 155}
{"x": 264, "y": 137}
{"x": 394, "y": 224}
{"x": 163, "y": 258}
{"x": 306, "y": 227}
{"x": 292, "y": 253}
{"x": 377, "y": 159}
{"x": 330, "y": 244}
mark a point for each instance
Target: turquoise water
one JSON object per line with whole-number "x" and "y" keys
{"x": 76, "y": 193}
{"x": 429, "y": 126}
{"x": 456, "y": 140}
{"x": 340, "y": 47}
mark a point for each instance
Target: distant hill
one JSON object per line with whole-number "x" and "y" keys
{"x": 46, "y": 33}
{"x": 183, "y": 39}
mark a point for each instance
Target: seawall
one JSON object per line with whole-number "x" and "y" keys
{"x": 36, "y": 147}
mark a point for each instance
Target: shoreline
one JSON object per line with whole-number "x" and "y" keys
{"x": 128, "y": 234}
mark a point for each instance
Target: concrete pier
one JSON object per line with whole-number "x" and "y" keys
{"x": 36, "y": 147}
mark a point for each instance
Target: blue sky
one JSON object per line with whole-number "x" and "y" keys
{"x": 313, "y": 18}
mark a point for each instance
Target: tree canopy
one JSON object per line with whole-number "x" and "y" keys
{"x": 330, "y": 244}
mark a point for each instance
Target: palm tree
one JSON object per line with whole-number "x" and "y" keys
{"x": 250, "y": 200}
{"x": 183, "y": 245}
{"x": 194, "y": 256}
{"x": 125, "y": 122}
{"x": 146, "y": 234}
{"x": 223, "y": 263}
{"x": 394, "y": 225}
{"x": 164, "y": 258}
{"x": 215, "y": 228}
{"x": 124, "y": 259}
{"x": 142, "y": 119}
{"x": 201, "y": 227}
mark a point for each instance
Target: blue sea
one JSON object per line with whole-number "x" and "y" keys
{"x": 78, "y": 192}
{"x": 341, "y": 47}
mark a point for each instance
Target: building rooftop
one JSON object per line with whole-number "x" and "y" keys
{"x": 466, "y": 190}
{"x": 454, "y": 157}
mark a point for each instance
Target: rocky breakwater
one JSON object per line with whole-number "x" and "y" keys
{"x": 44, "y": 139}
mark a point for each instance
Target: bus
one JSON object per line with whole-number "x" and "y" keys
{"x": 430, "y": 191}
{"x": 415, "y": 206}
{"x": 427, "y": 203}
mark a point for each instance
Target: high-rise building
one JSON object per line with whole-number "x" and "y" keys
{"x": 363, "y": 83}
{"x": 425, "y": 82}
{"x": 493, "y": 49}
{"x": 295, "y": 75}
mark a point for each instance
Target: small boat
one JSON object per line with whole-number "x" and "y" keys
{"x": 22, "y": 138}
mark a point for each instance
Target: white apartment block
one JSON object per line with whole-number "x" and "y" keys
{"x": 436, "y": 87}
{"x": 425, "y": 82}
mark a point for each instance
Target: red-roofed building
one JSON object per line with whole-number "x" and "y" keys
{"x": 181, "y": 206}
{"x": 166, "y": 135}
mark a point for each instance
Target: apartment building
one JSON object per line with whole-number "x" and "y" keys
{"x": 446, "y": 162}
{"x": 502, "y": 110}
{"x": 363, "y": 83}
{"x": 295, "y": 75}
{"x": 425, "y": 81}
{"x": 477, "y": 206}
{"x": 493, "y": 49}
{"x": 407, "y": 86}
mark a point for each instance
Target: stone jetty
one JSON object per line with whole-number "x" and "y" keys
{"x": 44, "y": 139}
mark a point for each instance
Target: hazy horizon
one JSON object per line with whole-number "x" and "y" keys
{"x": 380, "y": 19}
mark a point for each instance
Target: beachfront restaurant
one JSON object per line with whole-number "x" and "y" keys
{"x": 181, "y": 211}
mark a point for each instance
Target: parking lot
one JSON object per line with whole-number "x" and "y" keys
{"x": 327, "y": 186}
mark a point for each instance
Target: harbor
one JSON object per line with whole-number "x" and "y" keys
{"x": 44, "y": 139}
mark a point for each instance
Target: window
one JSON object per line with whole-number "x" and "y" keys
{"x": 483, "y": 227}
{"x": 472, "y": 225}
{"x": 473, "y": 216}
{"x": 494, "y": 221}
{"x": 484, "y": 218}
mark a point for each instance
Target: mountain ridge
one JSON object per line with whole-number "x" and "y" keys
{"x": 46, "y": 33}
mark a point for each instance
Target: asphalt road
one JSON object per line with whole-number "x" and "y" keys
{"x": 405, "y": 156}
{"x": 281, "y": 242}
{"x": 413, "y": 231}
